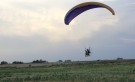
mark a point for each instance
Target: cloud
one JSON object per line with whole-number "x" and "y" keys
{"x": 128, "y": 41}
{"x": 107, "y": 0}
{"x": 45, "y": 21}
{"x": 130, "y": 6}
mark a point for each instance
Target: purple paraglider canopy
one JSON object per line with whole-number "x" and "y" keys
{"x": 78, "y": 9}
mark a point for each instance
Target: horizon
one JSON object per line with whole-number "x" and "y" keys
{"x": 64, "y": 61}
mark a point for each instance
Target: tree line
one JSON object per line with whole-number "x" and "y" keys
{"x": 20, "y": 62}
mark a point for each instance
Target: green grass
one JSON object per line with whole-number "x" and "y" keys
{"x": 70, "y": 73}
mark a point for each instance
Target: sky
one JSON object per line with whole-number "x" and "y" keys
{"x": 35, "y": 29}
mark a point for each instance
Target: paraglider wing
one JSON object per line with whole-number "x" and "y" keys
{"x": 75, "y": 11}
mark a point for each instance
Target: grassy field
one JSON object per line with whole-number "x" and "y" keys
{"x": 70, "y": 72}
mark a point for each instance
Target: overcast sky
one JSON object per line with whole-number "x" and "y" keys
{"x": 35, "y": 29}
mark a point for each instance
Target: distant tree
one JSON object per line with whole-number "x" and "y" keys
{"x": 39, "y": 61}
{"x": 17, "y": 62}
{"x": 68, "y": 61}
{"x": 60, "y": 61}
{"x": 119, "y": 58}
{"x": 4, "y": 62}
